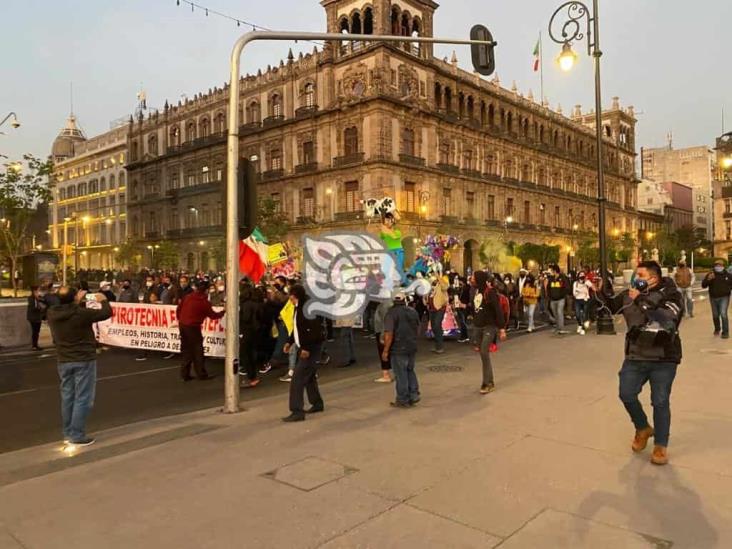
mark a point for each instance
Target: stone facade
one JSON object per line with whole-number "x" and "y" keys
{"x": 461, "y": 155}
{"x": 88, "y": 196}
{"x": 693, "y": 166}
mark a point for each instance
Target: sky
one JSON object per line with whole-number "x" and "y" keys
{"x": 664, "y": 57}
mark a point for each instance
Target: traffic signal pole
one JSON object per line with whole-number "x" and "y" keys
{"x": 484, "y": 50}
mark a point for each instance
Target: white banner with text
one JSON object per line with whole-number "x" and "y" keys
{"x": 155, "y": 328}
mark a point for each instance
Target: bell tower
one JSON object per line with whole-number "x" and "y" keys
{"x": 395, "y": 17}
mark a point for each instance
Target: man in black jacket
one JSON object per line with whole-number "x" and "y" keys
{"x": 653, "y": 309}
{"x": 308, "y": 335}
{"x": 71, "y": 326}
{"x": 719, "y": 283}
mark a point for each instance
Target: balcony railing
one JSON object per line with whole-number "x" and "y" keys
{"x": 273, "y": 121}
{"x": 250, "y": 127}
{"x": 411, "y": 160}
{"x": 196, "y": 232}
{"x": 449, "y": 168}
{"x": 306, "y": 168}
{"x": 270, "y": 175}
{"x": 214, "y": 138}
{"x": 304, "y": 112}
{"x": 348, "y": 160}
{"x": 470, "y": 172}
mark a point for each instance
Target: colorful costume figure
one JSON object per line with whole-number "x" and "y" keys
{"x": 392, "y": 237}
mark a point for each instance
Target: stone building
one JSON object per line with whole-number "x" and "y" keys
{"x": 460, "y": 154}
{"x": 723, "y": 198}
{"x": 88, "y": 186}
{"x": 693, "y": 166}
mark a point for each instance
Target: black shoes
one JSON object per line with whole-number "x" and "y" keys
{"x": 87, "y": 441}
{"x": 315, "y": 409}
{"x": 398, "y": 404}
{"x": 292, "y": 418}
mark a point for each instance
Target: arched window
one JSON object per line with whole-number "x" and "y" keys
{"x": 526, "y": 172}
{"x": 204, "y": 127}
{"x": 220, "y": 123}
{"x": 448, "y": 99}
{"x": 438, "y": 96}
{"x": 350, "y": 141}
{"x": 71, "y": 191}
{"x": 483, "y": 119}
{"x": 405, "y": 29}
{"x": 308, "y": 96}
{"x": 190, "y": 131}
{"x": 62, "y": 194}
{"x": 395, "y": 26}
{"x": 509, "y": 120}
{"x": 275, "y": 105}
{"x": 111, "y": 183}
{"x": 133, "y": 151}
{"x": 356, "y": 24}
{"x": 102, "y": 184}
{"x": 152, "y": 145}
{"x": 416, "y": 32}
{"x": 121, "y": 179}
{"x": 491, "y": 115}
{"x": 408, "y": 144}
{"x": 174, "y": 136}
{"x": 344, "y": 26}
{"x": 254, "y": 114}
{"x": 471, "y": 107}
{"x": 445, "y": 152}
{"x": 368, "y": 21}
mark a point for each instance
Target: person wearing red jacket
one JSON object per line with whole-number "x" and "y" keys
{"x": 193, "y": 309}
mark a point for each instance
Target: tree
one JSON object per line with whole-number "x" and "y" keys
{"x": 588, "y": 252}
{"x": 218, "y": 250}
{"x": 690, "y": 238}
{"x": 129, "y": 254}
{"x": 272, "y": 221}
{"x": 542, "y": 254}
{"x": 21, "y": 192}
{"x": 167, "y": 255}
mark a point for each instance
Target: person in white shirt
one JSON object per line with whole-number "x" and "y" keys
{"x": 582, "y": 292}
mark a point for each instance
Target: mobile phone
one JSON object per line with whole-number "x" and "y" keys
{"x": 90, "y": 297}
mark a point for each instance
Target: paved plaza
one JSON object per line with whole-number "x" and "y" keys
{"x": 544, "y": 461}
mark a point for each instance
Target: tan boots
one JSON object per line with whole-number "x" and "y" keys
{"x": 659, "y": 455}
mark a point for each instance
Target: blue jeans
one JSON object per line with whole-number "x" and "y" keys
{"x": 688, "y": 295}
{"x": 78, "y": 387}
{"x": 282, "y": 335}
{"x": 580, "y": 311}
{"x": 633, "y": 375}
{"x": 347, "y": 334}
{"x": 557, "y": 309}
{"x": 462, "y": 321}
{"x": 407, "y": 387}
{"x": 719, "y": 312}
{"x": 436, "y": 321}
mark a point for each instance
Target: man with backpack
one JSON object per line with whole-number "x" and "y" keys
{"x": 489, "y": 321}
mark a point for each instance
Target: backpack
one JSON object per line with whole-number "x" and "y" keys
{"x": 505, "y": 304}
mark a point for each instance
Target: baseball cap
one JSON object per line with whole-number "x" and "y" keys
{"x": 399, "y": 294}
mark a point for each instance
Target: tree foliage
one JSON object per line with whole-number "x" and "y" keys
{"x": 167, "y": 255}
{"x": 22, "y": 189}
{"x": 541, "y": 254}
{"x": 130, "y": 254}
{"x": 272, "y": 221}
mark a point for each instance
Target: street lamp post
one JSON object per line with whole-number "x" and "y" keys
{"x": 65, "y": 250}
{"x": 565, "y": 26}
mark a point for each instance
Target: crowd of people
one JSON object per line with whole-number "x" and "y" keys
{"x": 481, "y": 309}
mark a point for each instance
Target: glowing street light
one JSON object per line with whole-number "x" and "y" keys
{"x": 567, "y": 59}
{"x": 727, "y": 162}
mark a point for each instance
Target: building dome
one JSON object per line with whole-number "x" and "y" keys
{"x": 65, "y": 144}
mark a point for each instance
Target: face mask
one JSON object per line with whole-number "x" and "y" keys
{"x": 507, "y": 280}
{"x": 220, "y": 288}
{"x": 640, "y": 284}
{"x": 718, "y": 269}
{"x": 148, "y": 284}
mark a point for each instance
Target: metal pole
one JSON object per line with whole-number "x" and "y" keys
{"x": 66, "y": 237}
{"x": 605, "y": 324}
{"x": 231, "y": 389}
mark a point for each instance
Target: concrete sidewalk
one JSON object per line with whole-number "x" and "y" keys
{"x": 544, "y": 461}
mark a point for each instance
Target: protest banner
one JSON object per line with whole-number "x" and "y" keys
{"x": 155, "y": 328}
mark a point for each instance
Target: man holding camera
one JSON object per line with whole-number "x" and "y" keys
{"x": 653, "y": 309}
{"x": 73, "y": 333}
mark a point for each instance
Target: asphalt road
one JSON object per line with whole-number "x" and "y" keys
{"x": 130, "y": 391}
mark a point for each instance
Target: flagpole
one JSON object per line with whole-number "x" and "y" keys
{"x": 541, "y": 65}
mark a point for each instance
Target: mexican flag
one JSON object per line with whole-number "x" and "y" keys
{"x": 537, "y": 54}
{"x": 253, "y": 256}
